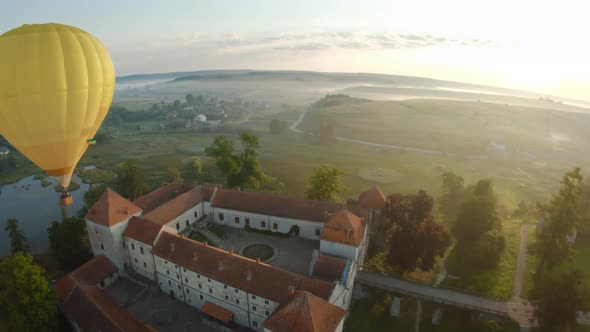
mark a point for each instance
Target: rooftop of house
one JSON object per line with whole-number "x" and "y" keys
{"x": 329, "y": 268}
{"x": 344, "y": 227}
{"x": 161, "y": 195}
{"x": 305, "y": 312}
{"x": 274, "y": 205}
{"x": 111, "y": 209}
{"x": 373, "y": 198}
{"x": 236, "y": 271}
{"x": 173, "y": 208}
{"x": 142, "y": 230}
{"x": 90, "y": 307}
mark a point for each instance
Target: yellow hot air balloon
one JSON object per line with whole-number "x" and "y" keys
{"x": 56, "y": 87}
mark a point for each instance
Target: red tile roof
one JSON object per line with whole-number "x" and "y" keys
{"x": 93, "y": 310}
{"x": 329, "y": 268}
{"x": 344, "y": 227}
{"x": 217, "y": 312}
{"x": 166, "y": 212}
{"x": 110, "y": 209}
{"x": 161, "y": 195}
{"x": 239, "y": 272}
{"x": 373, "y": 198}
{"x": 89, "y": 306}
{"x": 305, "y": 312}
{"x": 142, "y": 230}
{"x": 274, "y": 205}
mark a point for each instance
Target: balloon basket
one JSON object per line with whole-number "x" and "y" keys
{"x": 66, "y": 200}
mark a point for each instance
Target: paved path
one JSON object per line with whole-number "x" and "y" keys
{"x": 521, "y": 264}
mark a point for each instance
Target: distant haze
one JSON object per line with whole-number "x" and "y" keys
{"x": 527, "y": 45}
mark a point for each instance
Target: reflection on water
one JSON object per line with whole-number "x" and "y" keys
{"x": 35, "y": 207}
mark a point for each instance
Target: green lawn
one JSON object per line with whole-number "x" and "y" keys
{"x": 496, "y": 282}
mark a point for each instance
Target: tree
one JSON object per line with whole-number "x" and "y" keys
{"x": 324, "y": 184}
{"x": 93, "y": 194}
{"x": 276, "y": 127}
{"x": 189, "y": 99}
{"x": 27, "y": 302}
{"x": 69, "y": 243}
{"x": 176, "y": 104}
{"x": 558, "y": 297}
{"x": 194, "y": 167}
{"x": 130, "y": 180}
{"x": 173, "y": 175}
{"x": 566, "y": 211}
{"x": 18, "y": 239}
{"x": 477, "y": 214}
{"x": 241, "y": 169}
{"x": 453, "y": 189}
{"x": 416, "y": 239}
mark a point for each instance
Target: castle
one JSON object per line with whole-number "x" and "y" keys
{"x": 147, "y": 236}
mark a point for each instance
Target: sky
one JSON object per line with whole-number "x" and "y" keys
{"x": 533, "y": 45}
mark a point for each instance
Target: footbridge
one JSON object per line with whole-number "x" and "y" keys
{"x": 431, "y": 294}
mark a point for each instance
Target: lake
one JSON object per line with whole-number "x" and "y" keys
{"x": 35, "y": 207}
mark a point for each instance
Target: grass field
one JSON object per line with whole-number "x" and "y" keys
{"x": 496, "y": 282}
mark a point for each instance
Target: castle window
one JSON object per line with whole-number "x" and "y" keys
{"x": 132, "y": 246}
{"x": 201, "y": 297}
{"x": 198, "y": 276}
{"x": 254, "y": 323}
{"x": 166, "y": 262}
{"x": 177, "y": 225}
{"x": 266, "y": 302}
{"x": 196, "y": 214}
{"x": 177, "y": 276}
{"x": 263, "y": 224}
{"x": 178, "y": 287}
{"x": 186, "y": 280}
{"x": 236, "y": 291}
{"x": 123, "y": 244}
{"x": 136, "y": 260}
{"x": 169, "y": 283}
{"x": 188, "y": 291}
{"x": 253, "y": 308}
{"x": 144, "y": 265}
{"x": 184, "y": 270}
{"x": 175, "y": 266}
{"x": 247, "y": 222}
{"x": 200, "y": 286}
{"x": 220, "y": 215}
{"x": 186, "y": 222}
{"x": 101, "y": 246}
{"x": 237, "y": 220}
{"x": 226, "y": 298}
{"x": 210, "y": 290}
{"x": 275, "y": 226}
{"x": 266, "y": 312}
{"x": 237, "y": 301}
{"x": 168, "y": 272}
{"x": 208, "y": 280}
{"x": 141, "y": 250}
{"x": 318, "y": 231}
{"x": 253, "y": 297}
{"x": 189, "y": 300}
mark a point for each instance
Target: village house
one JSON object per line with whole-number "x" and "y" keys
{"x": 147, "y": 237}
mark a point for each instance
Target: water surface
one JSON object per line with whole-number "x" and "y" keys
{"x": 35, "y": 207}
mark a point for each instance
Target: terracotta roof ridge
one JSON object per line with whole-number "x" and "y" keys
{"x": 100, "y": 307}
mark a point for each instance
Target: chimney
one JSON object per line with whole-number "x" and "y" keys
{"x": 257, "y": 260}
{"x": 195, "y": 256}
{"x": 231, "y": 252}
{"x": 249, "y": 275}
{"x": 205, "y": 243}
{"x": 291, "y": 290}
{"x": 220, "y": 266}
{"x": 172, "y": 247}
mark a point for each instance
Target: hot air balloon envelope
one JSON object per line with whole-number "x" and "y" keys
{"x": 56, "y": 87}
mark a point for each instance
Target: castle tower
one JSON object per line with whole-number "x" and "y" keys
{"x": 105, "y": 223}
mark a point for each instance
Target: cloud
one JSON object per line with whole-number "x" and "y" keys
{"x": 236, "y": 48}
